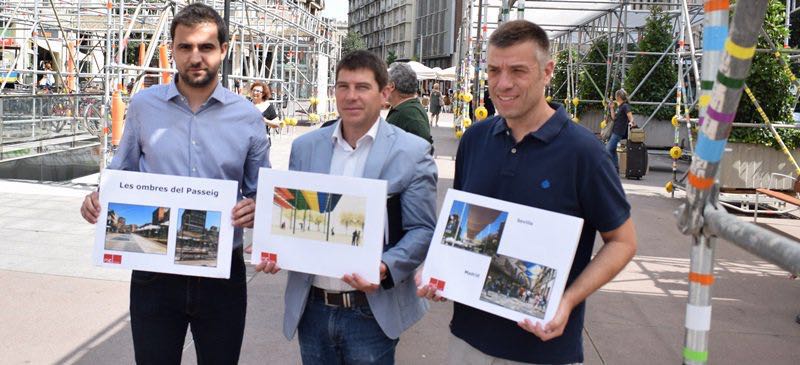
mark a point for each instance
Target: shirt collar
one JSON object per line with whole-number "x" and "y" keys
{"x": 547, "y": 132}
{"x": 371, "y": 133}
{"x": 218, "y": 94}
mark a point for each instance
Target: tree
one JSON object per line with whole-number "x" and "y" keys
{"x": 597, "y": 55}
{"x": 771, "y": 87}
{"x": 352, "y": 41}
{"x": 657, "y": 37}
{"x": 558, "y": 84}
{"x": 391, "y": 57}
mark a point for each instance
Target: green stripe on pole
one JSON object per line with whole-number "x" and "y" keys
{"x": 707, "y": 85}
{"x": 692, "y": 355}
{"x": 731, "y": 83}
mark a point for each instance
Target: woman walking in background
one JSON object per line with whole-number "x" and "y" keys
{"x": 622, "y": 117}
{"x": 260, "y": 94}
{"x": 436, "y": 105}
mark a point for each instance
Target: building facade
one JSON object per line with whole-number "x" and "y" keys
{"x": 435, "y": 31}
{"x": 387, "y": 26}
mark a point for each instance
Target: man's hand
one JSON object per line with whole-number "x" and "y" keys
{"x": 552, "y": 329}
{"x": 243, "y": 213}
{"x": 426, "y": 291}
{"x": 90, "y": 209}
{"x": 268, "y": 267}
{"x": 359, "y": 283}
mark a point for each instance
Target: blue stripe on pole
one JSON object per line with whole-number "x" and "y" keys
{"x": 708, "y": 149}
{"x": 714, "y": 37}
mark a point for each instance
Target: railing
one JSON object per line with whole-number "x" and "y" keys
{"x": 30, "y": 123}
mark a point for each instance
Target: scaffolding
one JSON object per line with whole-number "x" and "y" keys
{"x": 93, "y": 49}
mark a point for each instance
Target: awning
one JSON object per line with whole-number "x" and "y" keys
{"x": 305, "y": 200}
{"x": 448, "y": 74}
{"x": 422, "y": 71}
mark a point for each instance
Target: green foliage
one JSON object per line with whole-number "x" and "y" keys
{"x": 586, "y": 89}
{"x": 351, "y": 42}
{"x": 771, "y": 87}
{"x": 390, "y": 57}
{"x": 558, "y": 84}
{"x": 657, "y": 37}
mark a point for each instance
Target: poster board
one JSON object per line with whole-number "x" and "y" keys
{"x": 163, "y": 223}
{"x": 320, "y": 224}
{"x": 507, "y": 259}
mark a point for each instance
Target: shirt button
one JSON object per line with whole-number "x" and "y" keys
{"x": 194, "y": 142}
{"x": 513, "y": 150}
{"x": 194, "y": 169}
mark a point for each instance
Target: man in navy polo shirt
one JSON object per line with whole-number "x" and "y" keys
{"x": 533, "y": 154}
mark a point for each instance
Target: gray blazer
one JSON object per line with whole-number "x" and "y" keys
{"x": 402, "y": 159}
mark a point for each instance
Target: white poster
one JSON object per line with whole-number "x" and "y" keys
{"x": 163, "y": 223}
{"x": 320, "y": 224}
{"x": 503, "y": 258}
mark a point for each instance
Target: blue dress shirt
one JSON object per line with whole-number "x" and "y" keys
{"x": 224, "y": 139}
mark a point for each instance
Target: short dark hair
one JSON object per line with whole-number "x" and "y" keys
{"x": 363, "y": 59}
{"x": 517, "y": 31}
{"x": 198, "y": 13}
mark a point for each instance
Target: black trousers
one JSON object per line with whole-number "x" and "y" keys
{"x": 163, "y": 306}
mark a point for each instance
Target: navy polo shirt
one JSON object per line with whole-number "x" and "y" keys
{"x": 562, "y": 167}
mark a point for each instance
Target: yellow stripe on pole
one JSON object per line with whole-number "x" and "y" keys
{"x": 737, "y": 51}
{"x": 705, "y": 100}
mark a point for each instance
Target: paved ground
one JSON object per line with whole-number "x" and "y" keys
{"x": 56, "y": 307}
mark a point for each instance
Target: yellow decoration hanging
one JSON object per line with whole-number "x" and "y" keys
{"x": 669, "y": 187}
{"x": 675, "y": 152}
{"x": 481, "y": 113}
{"x": 459, "y": 133}
{"x": 603, "y": 124}
{"x": 466, "y": 122}
{"x": 548, "y": 98}
{"x": 576, "y": 101}
{"x": 675, "y": 121}
{"x": 466, "y": 97}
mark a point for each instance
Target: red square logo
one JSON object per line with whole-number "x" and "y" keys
{"x": 112, "y": 259}
{"x": 269, "y": 256}
{"x": 436, "y": 283}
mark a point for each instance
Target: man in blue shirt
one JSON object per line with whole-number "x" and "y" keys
{"x": 533, "y": 155}
{"x": 192, "y": 127}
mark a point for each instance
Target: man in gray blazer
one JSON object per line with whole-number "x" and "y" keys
{"x": 349, "y": 320}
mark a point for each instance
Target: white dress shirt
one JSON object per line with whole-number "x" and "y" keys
{"x": 347, "y": 161}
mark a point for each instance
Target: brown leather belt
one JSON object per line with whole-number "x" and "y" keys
{"x": 340, "y": 299}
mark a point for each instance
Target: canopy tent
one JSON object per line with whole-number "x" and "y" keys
{"x": 448, "y": 74}
{"x": 422, "y": 71}
{"x": 305, "y": 200}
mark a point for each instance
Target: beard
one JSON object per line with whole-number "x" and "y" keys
{"x": 201, "y": 81}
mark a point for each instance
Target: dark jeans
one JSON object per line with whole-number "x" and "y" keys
{"x": 611, "y": 147}
{"x": 334, "y": 335}
{"x": 164, "y": 305}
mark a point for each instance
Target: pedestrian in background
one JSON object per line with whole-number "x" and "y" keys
{"x": 436, "y": 105}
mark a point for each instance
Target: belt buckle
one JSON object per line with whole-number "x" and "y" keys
{"x": 345, "y": 300}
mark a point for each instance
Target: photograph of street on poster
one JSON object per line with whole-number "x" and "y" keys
{"x": 137, "y": 228}
{"x": 474, "y": 228}
{"x": 519, "y": 285}
{"x": 318, "y": 216}
{"x": 198, "y": 237}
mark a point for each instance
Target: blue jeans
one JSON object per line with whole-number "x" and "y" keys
{"x": 335, "y": 335}
{"x": 611, "y": 147}
{"x": 164, "y": 305}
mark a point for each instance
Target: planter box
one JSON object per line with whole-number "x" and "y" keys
{"x": 748, "y": 166}
{"x": 658, "y": 133}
